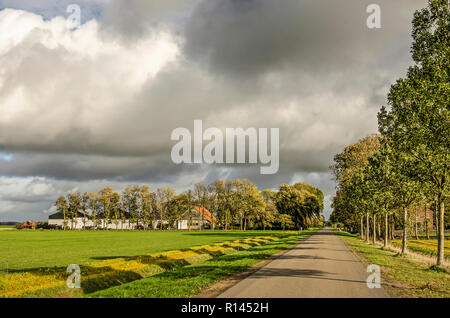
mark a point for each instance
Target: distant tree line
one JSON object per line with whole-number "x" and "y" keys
{"x": 236, "y": 204}
{"x": 383, "y": 178}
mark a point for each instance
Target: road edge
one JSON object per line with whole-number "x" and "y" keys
{"x": 220, "y": 287}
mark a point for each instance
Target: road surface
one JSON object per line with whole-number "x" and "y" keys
{"x": 319, "y": 267}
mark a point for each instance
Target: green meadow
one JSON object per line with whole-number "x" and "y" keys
{"x": 130, "y": 263}
{"x": 28, "y": 249}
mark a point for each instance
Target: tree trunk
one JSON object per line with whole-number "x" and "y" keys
{"x": 367, "y": 228}
{"x": 245, "y": 224}
{"x": 436, "y": 217}
{"x": 416, "y": 229}
{"x": 379, "y": 227}
{"x": 386, "y": 229}
{"x": 374, "y": 237}
{"x": 405, "y": 230}
{"x": 226, "y": 222}
{"x": 393, "y": 227}
{"x": 362, "y": 227}
{"x": 440, "y": 256}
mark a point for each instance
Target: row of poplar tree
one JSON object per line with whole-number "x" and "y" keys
{"x": 386, "y": 176}
{"x": 234, "y": 204}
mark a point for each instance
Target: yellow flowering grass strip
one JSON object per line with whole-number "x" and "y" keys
{"x": 426, "y": 246}
{"x": 98, "y": 275}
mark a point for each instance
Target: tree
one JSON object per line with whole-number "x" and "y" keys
{"x": 144, "y": 204}
{"x": 247, "y": 202}
{"x": 286, "y": 221}
{"x": 84, "y": 207}
{"x": 116, "y": 208}
{"x": 61, "y": 207}
{"x": 164, "y": 197}
{"x": 94, "y": 206}
{"x": 299, "y": 203}
{"x": 104, "y": 197}
{"x": 418, "y": 121}
{"x": 189, "y": 206}
{"x": 130, "y": 204}
{"x": 350, "y": 204}
{"x": 268, "y": 217}
{"x": 233, "y": 201}
{"x": 74, "y": 206}
{"x": 201, "y": 198}
{"x": 223, "y": 199}
{"x": 381, "y": 180}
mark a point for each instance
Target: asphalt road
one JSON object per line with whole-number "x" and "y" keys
{"x": 319, "y": 267}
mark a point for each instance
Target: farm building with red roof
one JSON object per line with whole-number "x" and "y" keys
{"x": 196, "y": 219}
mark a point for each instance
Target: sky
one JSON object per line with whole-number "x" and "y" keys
{"x": 95, "y": 106}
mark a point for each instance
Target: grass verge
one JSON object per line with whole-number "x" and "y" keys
{"x": 427, "y": 247}
{"x": 51, "y": 282}
{"x": 28, "y": 250}
{"x": 401, "y": 276}
{"x": 191, "y": 280}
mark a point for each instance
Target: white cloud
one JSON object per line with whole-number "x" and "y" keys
{"x": 25, "y": 189}
{"x": 54, "y": 80}
{"x": 95, "y": 106}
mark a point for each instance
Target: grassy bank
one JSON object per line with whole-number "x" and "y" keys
{"x": 401, "y": 276}
{"x": 28, "y": 250}
{"x": 117, "y": 270}
{"x": 427, "y": 247}
{"x": 191, "y": 280}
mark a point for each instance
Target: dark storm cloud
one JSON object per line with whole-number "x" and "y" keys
{"x": 132, "y": 19}
{"x": 247, "y": 38}
{"x": 85, "y": 168}
{"x": 83, "y": 110}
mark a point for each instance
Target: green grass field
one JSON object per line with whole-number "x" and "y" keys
{"x": 27, "y": 249}
{"x": 112, "y": 262}
{"x": 401, "y": 276}
{"x": 428, "y": 247}
{"x": 191, "y": 280}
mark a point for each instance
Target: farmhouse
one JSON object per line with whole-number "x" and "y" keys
{"x": 196, "y": 219}
{"x": 83, "y": 221}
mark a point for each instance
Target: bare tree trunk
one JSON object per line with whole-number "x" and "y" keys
{"x": 440, "y": 256}
{"x": 374, "y": 237}
{"x": 427, "y": 222}
{"x": 362, "y": 226}
{"x": 367, "y": 228}
{"x": 416, "y": 232}
{"x": 245, "y": 224}
{"x": 386, "y": 229}
{"x": 393, "y": 227}
{"x": 379, "y": 227}
{"x": 405, "y": 230}
{"x": 436, "y": 218}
